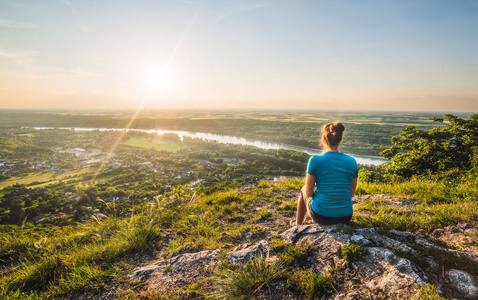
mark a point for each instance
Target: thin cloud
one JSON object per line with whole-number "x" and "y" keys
{"x": 78, "y": 72}
{"x": 15, "y": 24}
{"x": 16, "y": 57}
{"x": 239, "y": 11}
{"x": 68, "y": 3}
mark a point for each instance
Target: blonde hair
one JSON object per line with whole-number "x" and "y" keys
{"x": 333, "y": 133}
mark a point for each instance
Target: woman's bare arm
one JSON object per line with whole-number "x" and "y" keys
{"x": 309, "y": 185}
{"x": 353, "y": 187}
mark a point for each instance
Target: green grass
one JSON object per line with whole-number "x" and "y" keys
{"x": 264, "y": 214}
{"x": 310, "y": 285}
{"x": 352, "y": 252}
{"x": 155, "y": 143}
{"x": 247, "y": 282}
{"x": 427, "y": 292}
{"x": 51, "y": 261}
{"x": 423, "y": 217}
{"x": 44, "y": 177}
{"x": 87, "y": 257}
{"x": 436, "y": 204}
{"x": 296, "y": 255}
{"x": 277, "y": 244}
{"x": 425, "y": 190}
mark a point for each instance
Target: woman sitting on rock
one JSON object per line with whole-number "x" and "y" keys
{"x": 334, "y": 175}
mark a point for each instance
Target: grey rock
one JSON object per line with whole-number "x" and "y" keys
{"x": 379, "y": 275}
{"x": 464, "y": 282}
{"x": 380, "y": 272}
{"x": 359, "y": 239}
{"x": 387, "y": 273}
{"x": 426, "y": 243}
{"x": 469, "y": 254}
{"x": 386, "y": 262}
{"x": 432, "y": 263}
{"x": 403, "y": 234}
{"x": 246, "y": 252}
{"x": 177, "y": 271}
{"x": 293, "y": 234}
{"x": 413, "y": 238}
{"x": 337, "y": 232}
{"x": 383, "y": 241}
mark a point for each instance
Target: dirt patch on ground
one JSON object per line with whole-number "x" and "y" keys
{"x": 462, "y": 237}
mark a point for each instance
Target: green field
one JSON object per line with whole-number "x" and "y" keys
{"x": 42, "y": 178}
{"x": 156, "y": 143}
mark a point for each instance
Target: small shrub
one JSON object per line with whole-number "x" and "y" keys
{"x": 426, "y": 292}
{"x": 142, "y": 237}
{"x": 310, "y": 284}
{"x": 13, "y": 248}
{"x": 41, "y": 275}
{"x": 429, "y": 292}
{"x": 174, "y": 246}
{"x": 248, "y": 281}
{"x": 265, "y": 215}
{"x": 297, "y": 254}
{"x": 352, "y": 253}
{"x": 278, "y": 244}
{"x": 367, "y": 175}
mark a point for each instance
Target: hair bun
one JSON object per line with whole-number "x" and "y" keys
{"x": 339, "y": 127}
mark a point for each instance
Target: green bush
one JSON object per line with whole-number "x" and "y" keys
{"x": 352, "y": 252}
{"x": 277, "y": 244}
{"x": 247, "y": 282}
{"x": 442, "y": 148}
{"x": 426, "y": 292}
{"x": 310, "y": 284}
{"x": 265, "y": 215}
{"x": 296, "y": 254}
{"x": 142, "y": 237}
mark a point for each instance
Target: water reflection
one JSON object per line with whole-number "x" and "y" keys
{"x": 361, "y": 159}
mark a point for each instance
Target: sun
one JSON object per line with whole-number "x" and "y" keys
{"x": 159, "y": 79}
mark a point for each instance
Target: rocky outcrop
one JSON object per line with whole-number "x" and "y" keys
{"x": 245, "y": 252}
{"x": 177, "y": 271}
{"x": 383, "y": 273}
{"x": 466, "y": 283}
{"x": 380, "y": 272}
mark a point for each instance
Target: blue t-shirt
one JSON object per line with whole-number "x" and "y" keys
{"x": 333, "y": 173}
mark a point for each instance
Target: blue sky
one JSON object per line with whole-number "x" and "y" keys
{"x": 347, "y": 55}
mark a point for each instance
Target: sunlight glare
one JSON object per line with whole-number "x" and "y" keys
{"x": 159, "y": 79}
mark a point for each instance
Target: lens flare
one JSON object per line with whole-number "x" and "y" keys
{"x": 159, "y": 79}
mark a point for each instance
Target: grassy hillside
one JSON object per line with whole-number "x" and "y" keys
{"x": 51, "y": 261}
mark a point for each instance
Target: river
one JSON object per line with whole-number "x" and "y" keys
{"x": 361, "y": 159}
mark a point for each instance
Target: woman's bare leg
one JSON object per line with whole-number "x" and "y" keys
{"x": 301, "y": 208}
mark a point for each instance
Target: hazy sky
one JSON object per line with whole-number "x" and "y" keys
{"x": 368, "y": 55}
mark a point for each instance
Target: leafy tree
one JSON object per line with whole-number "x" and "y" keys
{"x": 17, "y": 212}
{"x": 441, "y": 148}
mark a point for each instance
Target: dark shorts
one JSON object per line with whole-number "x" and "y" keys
{"x": 323, "y": 220}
